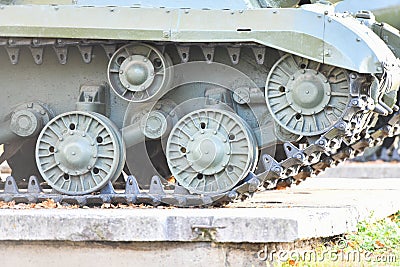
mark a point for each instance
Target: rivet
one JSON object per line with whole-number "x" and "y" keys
{"x": 215, "y": 132}
{"x": 166, "y": 34}
{"x": 358, "y": 39}
{"x": 121, "y": 72}
{"x": 145, "y": 59}
{"x": 89, "y": 167}
{"x": 277, "y": 169}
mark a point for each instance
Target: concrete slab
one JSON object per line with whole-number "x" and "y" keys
{"x": 364, "y": 170}
{"x": 319, "y": 207}
{"x": 5, "y": 170}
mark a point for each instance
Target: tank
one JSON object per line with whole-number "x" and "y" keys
{"x": 187, "y": 103}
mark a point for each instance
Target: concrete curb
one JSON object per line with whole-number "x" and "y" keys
{"x": 302, "y": 212}
{"x": 227, "y": 225}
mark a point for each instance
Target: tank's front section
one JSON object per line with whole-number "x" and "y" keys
{"x": 193, "y": 106}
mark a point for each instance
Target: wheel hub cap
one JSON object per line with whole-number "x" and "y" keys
{"x": 210, "y": 153}
{"x": 307, "y": 92}
{"x": 75, "y": 154}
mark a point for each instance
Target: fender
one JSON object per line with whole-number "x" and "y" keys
{"x": 313, "y": 31}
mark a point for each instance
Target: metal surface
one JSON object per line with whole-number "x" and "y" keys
{"x": 319, "y": 33}
{"x": 137, "y": 72}
{"x": 306, "y": 97}
{"x": 210, "y": 151}
{"x": 78, "y": 153}
{"x": 385, "y": 11}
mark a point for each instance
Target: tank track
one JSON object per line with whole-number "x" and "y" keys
{"x": 348, "y": 138}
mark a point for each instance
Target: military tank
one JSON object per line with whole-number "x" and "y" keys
{"x": 187, "y": 103}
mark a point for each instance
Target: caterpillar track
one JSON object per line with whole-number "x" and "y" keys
{"x": 97, "y": 112}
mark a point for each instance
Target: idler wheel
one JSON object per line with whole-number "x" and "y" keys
{"x": 305, "y": 97}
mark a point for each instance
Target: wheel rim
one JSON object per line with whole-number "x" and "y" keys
{"x": 306, "y": 97}
{"x": 78, "y": 153}
{"x": 210, "y": 151}
{"x": 138, "y": 72}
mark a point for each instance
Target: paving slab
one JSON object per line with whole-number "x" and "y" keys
{"x": 319, "y": 207}
{"x": 375, "y": 169}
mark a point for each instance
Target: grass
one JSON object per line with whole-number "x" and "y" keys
{"x": 374, "y": 244}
